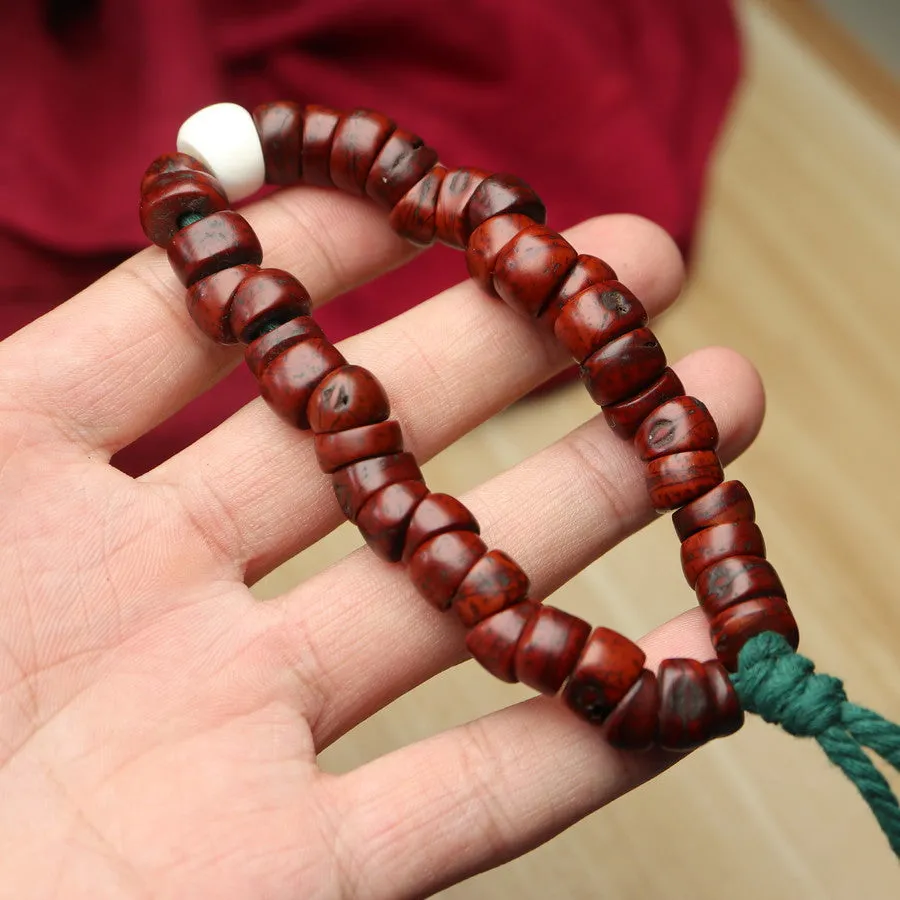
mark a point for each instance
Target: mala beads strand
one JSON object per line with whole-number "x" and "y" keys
{"x": 226, "y": 154}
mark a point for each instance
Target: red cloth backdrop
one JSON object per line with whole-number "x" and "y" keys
{"x": 602, "y": 105}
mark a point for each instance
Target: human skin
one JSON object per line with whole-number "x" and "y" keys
{"x": 158, "y": 725}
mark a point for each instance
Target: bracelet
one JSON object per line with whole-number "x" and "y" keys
{"x": 225, "y": 154}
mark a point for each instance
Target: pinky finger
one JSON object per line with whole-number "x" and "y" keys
{"x": 434, "y": 813}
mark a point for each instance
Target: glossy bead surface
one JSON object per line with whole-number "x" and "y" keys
{"x": 414, "y": 216}
{"x": 224, "y": 138}
{"x": 402, "y": 163}
{"x": 319, "y": 124}
{"x": 438, "y": 567}
{"x": 632, "y": 725}
{"x": 492, "y": 584}
{"x": 607, "y": 669}
{"x": 264, "y": 300}
{"x": 501, "y": 195}
{"x": 436, "y": 514}
{"x": 734, "y": 580}
{"x": 550, "y": 645}
{"x": 728, "y": 716}
{"x": 355, "y": 484}
{"x": 597, "y": 315}
{"x": 677, "y": 426}
{"x": 587, "y": 272}
{"x": 169, "y": 197}
{"x": 280, "y": 130}
{"x": 209, "y": 302}
{"x": 686, "y": 706}
{"x": 703, "y": 548}
{"x": 623, "y": 367}
{"x": 729, "y": 502}
{"x": 170, "y": 164}
{"x": 487, "y": 242}
{"x": 358, "y": 139}
{"x": 530, "y": 268}
{"x": 384, "y": 518}
{"x": 733, "y": 627}
{"x": 452, "y": 226}
{"x": 679, "y": 478}
{"x": 268, "y": 346}
{"x": 493, "y": 640}
{"x": 340, "y": 448}
{"x": 288, "y": 381}
{"x": 219, "y": 241}
{"x": 626, "y": 417}
{"x": 347, "y": 398}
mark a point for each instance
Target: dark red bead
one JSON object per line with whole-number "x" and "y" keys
{"x": 402, "y": 163}
{"x": 729, "y": 502}
{"x": 358, "y": 139}
{"x": 531, "y": 266}
{"x": 632, "y": 725}
{"x": 347, "y": 398}
{"x": 608, "y": 667}
{"x": 686, "y": 705}
{"x": 384, "y": 518}
{"x": 728, "y": 716}
{"x": 501, "y": 195}
{"x": 169, "y": 164}
{"x": 587, "y": 272}
{"x": 209, "y": 302}
{"x": 679, "y": 478}
{"x": 623, "y": 367}
{"x": 341, "y": 448}
{"x": 493, "y": 640}
{"x": 487, "y": 242}
{"x": 220, "y": 241}
{"x": 626, "y": 417}
{"x": 319, "y": 125}
{"x": 355, "y": 484}
{"x": 169, "y": 197}
{"x": 734, "y": 580}
{"x": 492, "y": 584}
{"x": 703, "y": 548}
{"x": 273, "y": 343}
{"x": 438, "y": 567}
{"x": 599, "y": 314}
{"x": 549, "y": 648}
{"x": 436, "y": 514}
{"x": 280, "y": 129}
{"x": 414, "y": 216}
{"x": 677, "y": 426}
{"x": 450, "y": 215}
{"x": 733, "y": 627}
{"x": 264, "y": 300}
{"x": 288, "y": 381}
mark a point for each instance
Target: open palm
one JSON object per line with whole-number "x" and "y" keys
{"x": 158, "y": 725}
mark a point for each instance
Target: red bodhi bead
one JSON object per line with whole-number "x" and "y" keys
{"x": 493, "y": 640}
{"x": 347, "y": 398}
{"x": 606, "y": 670}
{"x": 549, "y": 647}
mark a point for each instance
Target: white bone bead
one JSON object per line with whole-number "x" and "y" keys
{"x": 224, "y": 137}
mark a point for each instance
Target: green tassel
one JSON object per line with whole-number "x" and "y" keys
{"x": 783, "y": 688}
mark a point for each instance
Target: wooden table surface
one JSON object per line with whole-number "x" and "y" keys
{"x": 799, "y": 269}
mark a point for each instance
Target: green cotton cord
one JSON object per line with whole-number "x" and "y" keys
{"x": 783, "y": 688}
{"x": 188, "y": 219}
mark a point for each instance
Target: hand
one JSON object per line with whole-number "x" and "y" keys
{"x": 158, "y": 726}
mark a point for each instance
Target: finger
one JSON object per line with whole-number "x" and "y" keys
{"x": 554, "y": 514}
{"x": 447, "y": 366}
{"x": 488, "y": 791}
{"x": 124, "y": 355}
